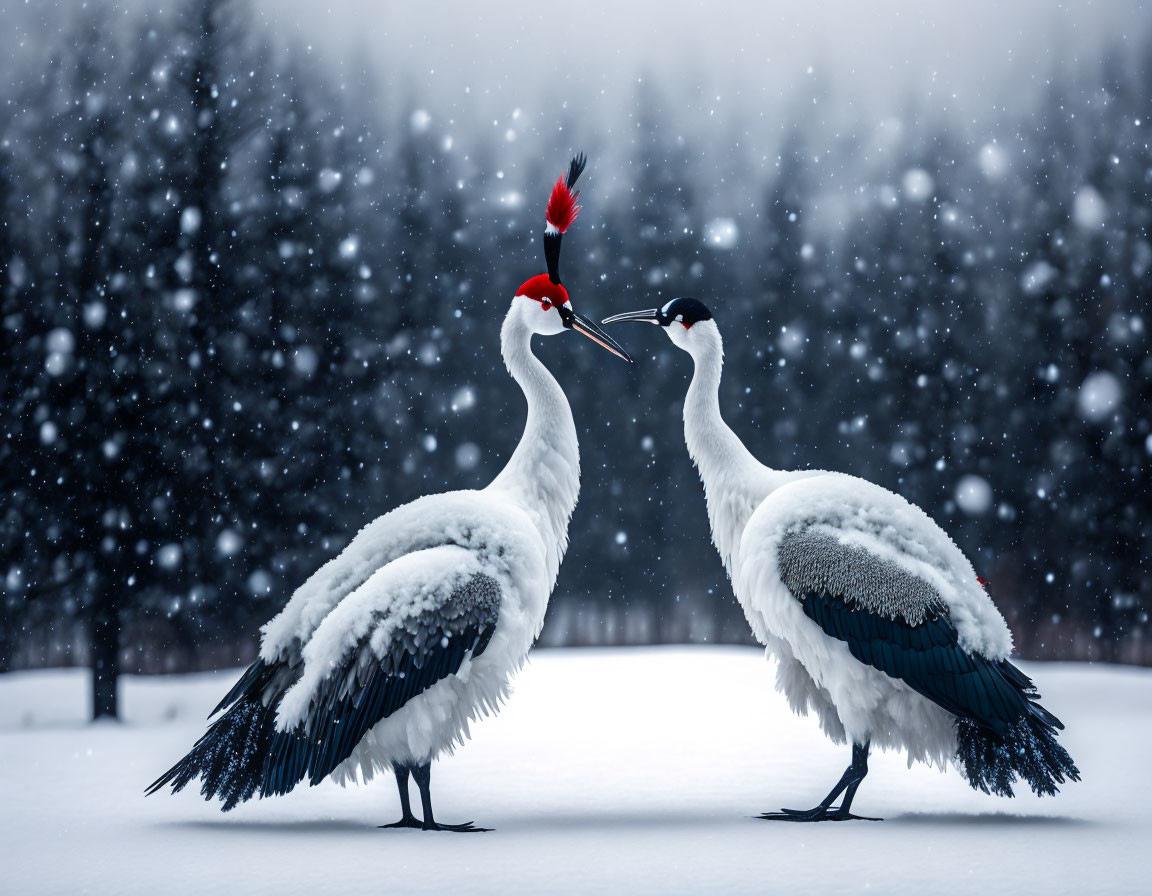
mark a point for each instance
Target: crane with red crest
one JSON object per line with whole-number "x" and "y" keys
{"x": 384, "y": 657}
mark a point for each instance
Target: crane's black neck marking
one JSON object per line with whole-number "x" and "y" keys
{"x": 552, "y": 254}
{"x": 552, "y": 241}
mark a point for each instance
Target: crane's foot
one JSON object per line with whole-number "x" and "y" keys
{"x": 848, "y": 784}
{"x": 423, "y": 775}
{"x": 466, "y": 828}
{"x": 817, "y": 814}
{"x": 408, "y": 821}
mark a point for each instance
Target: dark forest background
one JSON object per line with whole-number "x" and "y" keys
{"x": 246, "y": 309}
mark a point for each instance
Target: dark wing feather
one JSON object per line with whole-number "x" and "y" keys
{"x": 927, "y": 657}
{"x": 366, "y": 688}
{"x": 263, "y": 681}
{"x": 229, "y": 757}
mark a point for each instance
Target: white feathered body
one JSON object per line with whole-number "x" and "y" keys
{"x": 415, "y": 557}
{"x": 752, "y": 507}
{"x": 410, "y": 561}
{"x": 853, "y": 700}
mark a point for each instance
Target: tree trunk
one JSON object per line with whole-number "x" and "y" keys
{"x": 105, "y": 657}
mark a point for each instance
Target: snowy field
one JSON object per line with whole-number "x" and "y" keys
{"x": 609, "y": 771}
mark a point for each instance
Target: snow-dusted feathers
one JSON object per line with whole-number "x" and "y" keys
{"x": 389, "y": 651}
{"x": 398, "y": 608}
{"x": 466, "y": 519}
{"x": 426, "y": 618}
{"x": 390, "y": 583}
{"x": 875, "y": 548}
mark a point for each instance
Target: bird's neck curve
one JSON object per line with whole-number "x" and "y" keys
{"x": 543, "y": 475}
{"x": 735, "y": 483}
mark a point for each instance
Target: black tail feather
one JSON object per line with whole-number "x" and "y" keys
{"x": 229, "y": 758}
{"x": 1027, "y": 749}
{"x": 253, "y": 681}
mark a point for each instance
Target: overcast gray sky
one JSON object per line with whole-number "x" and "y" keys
{"x": 730, "y": 74}
{"x": 484, "y": 59}
{"x": 493, "y": 56}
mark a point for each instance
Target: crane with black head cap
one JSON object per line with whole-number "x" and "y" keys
{"x": 877, "y": 620}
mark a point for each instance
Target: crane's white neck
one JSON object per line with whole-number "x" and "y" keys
{"x": 543, "y": 474}
{"x": 734, "y": 481}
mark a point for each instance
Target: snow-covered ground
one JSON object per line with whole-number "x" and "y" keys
{"x": 608, "y": 771}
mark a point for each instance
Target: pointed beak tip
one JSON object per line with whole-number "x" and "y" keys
{"x": 586, "y": 327}
{"x": 618, "y": 350}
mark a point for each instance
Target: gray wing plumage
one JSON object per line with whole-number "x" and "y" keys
{"x": 367, "y": 687}
{"x": 811, "y": 560}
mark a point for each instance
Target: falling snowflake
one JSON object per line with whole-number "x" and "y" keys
{"x": 973, "y": 494}
{"x": 1099, "y": 395}
{"x": 721, "y": 233}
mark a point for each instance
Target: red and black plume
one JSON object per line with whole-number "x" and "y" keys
{"x": 561, "y": 212}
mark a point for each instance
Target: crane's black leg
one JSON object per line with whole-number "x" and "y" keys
{"x": 848, "y": 784}
{"x": 423, "y": 775}
{"x": 860, "y": 761}
{"x": 407, "y": 819}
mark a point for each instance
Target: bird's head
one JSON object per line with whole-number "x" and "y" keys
{"x": 542, "y": 302}
{"x": 688, "y": 323}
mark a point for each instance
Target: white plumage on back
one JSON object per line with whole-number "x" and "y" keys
{"x": 867, "y": 705}
{"x": 410, "y": 561}
{"x": 383, "y": 658}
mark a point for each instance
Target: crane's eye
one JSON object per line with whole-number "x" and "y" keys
{"x": 545, "y": 304}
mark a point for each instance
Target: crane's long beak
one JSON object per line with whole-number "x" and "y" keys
{"x": 651, "y": 316}
{"x": 585, "y": 327}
